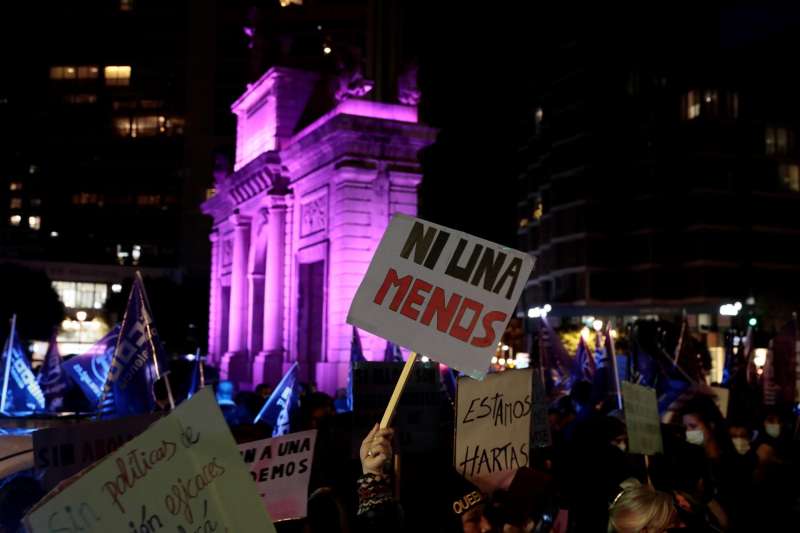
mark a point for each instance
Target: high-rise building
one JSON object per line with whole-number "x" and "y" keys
{"x": 109, "y": 127}
{"x": 661, "y": 169}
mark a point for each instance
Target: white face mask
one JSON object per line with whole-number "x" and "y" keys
{"x": 741, "y": 444}
{"x": 773, "y": 430}
{"x": 695, "y": 436}
{"x": 622, "y": 446}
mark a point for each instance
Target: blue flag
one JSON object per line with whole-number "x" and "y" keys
{"x": 584, "y": 365}
{"x": 137, "y": 362}
{"x": 392, "y": 354}
{"x": 90, "y": 369}
{"x": 52, "y": 377}
{"x": 21, "y": 393}
{"x": 450, "y": 383}
{"x": 282, "y": 402}
{"x": 356, "y": 356}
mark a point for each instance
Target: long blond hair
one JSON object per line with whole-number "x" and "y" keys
{"x": 640, "y": 509}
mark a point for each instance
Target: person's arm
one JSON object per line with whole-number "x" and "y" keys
{"x": 377, "y": 510}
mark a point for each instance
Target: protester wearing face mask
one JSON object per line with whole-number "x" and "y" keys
{"x": 741, "y": 437}
{"x": 705, "y": 427}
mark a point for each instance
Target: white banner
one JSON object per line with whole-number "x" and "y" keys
{"x": 641, "y": 419}
{"x": 440, "y": 292}
{"x": 494, "y": 423}
{"x": 281, "y": 468}
{"x": 184, "y": 474}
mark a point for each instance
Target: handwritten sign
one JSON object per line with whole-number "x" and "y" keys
{"x": 281, "y": 468}
{"x": 641, "y": 418}
{"x": 440, "y": 292}
{"x": 416, "y": 423}
{"x": 63, "y": 451}
{"x": 184, "y": 474}
{"x": 494, "y": 423}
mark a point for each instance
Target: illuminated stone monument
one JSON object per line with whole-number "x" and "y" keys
{"x": 297, "y": 221}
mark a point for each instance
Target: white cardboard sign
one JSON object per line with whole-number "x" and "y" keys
{"x": 281, "y": 468}
{"x": 494, "y": 423}
{"x": 641, "y": 419}
{"x": 184, "y": 474}
{"x": 440, "y": 292}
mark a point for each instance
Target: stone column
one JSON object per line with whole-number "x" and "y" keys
{"x": 268, "y": 363}
{"x": 255, "y": 285}
{"x": 215, "y": 347}
{"x": 234, "y": 363}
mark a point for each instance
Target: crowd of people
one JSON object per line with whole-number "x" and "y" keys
{"x": 716, "y": 474}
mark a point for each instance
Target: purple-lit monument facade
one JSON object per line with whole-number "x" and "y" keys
{"x": 296, "y": 224}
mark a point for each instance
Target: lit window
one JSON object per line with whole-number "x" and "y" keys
{"x": 15, "y": 186}
{"x": 35, "y": 222}
{"x": 147, "y": 126}
{"x": 778, "y": 141}
{"x": 538, "y": 117}
{"x": 54, "y": 234}
{"x": 63, "y": 73}
{"x": 126, "y": 5}
{"x": 538, "y": 211}
{"x": 117, "y": 75}
{"x": 81, "y": 295}
{"x": 122, "y": 126}
{"x": 16, "y": 203}
{"x": 32, "y": 169}
{"x": 148, "y": 200}
{"x": 84, "y": 98}
{"x": 790, "y": 176}
{"x": 691, "y": 105}
{"x": 14, "y": 220}
{"x": 88, "y": 72}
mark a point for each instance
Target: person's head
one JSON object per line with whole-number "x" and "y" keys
{"x": 740, "y": 436}
{"x": 225, "y": 392}
{"x": 641, "y": 509}
{"x": 316, "y": 410}
{"x": 704, "y": 423}
{"x": 264, "y": 390}
{"x": 505, "y": 514}
{"x": 772, "y": 423}
{"x": 616, "y": 433}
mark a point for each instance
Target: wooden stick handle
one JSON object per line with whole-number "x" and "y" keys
{"x": 391, "y": 407}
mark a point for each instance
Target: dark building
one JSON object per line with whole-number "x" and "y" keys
{"x": 111, "y": 118}
{"x": 660, "y": 172}
{"x": 116, "y": 116}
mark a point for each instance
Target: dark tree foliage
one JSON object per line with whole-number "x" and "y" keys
{"x": 30, "y": 295}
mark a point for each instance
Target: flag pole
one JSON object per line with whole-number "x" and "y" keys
{"x": 613, "y": 356}
{"x": 391, "y": 407}
{"x": 680, "y": 340}
{"x": 202, "y": 370}
{"x": 8, "y": 362}
{"x": 146, "y": 303}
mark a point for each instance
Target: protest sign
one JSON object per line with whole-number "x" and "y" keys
{"x": 440, "y": 292}
{"x": 721, "y": 397}
{"x": 281, "y": 468}
{"x": 63, "y": 451}
{"x": 641, "y": 419}
{"x": 493, "y": 423}
{"x": 183, "y": 474}
{"x": 416, "y": 423}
